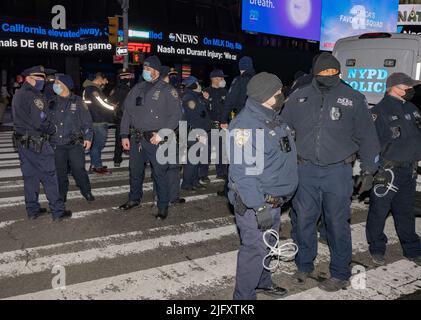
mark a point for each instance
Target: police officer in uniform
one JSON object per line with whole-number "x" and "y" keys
{"x": 216, "y": 95}
{"x": 196, "y": 114}
{"x": 258, "y": 190}
{"x": 237, "y": 95}
{"x": 173, "y": 174}
{"x": 73, "y": 137}
{"x": 32, "y": 130}
{"x": 398, "y": 124}
{"x": 151, "y": 105}
{"x": 117, "y": 97}
{"x": 332, "y": 123}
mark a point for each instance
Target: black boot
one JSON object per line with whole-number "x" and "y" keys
{"x": 67, "y": 214}
{"x": 162, "y": 213}
{"x": 129, "y": 205}
{"x": 89, "y": 197}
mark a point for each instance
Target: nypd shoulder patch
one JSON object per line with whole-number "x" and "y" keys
{"x": 241, "y": 136}
{"x": 39, "y": 104}
{"x": 191, "y": 104}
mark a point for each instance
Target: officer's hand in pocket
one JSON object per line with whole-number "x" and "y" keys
{"x": 126, "y": 144}
{"x": 87, "y": 145}
{"x": 264, "y": 218}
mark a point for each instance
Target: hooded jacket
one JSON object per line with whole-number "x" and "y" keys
{"x": 101, "y": 110}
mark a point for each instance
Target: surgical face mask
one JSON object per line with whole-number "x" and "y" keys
{"x": 57, "y": 89}
{"x": 147, "y": 75}
{"x": 198, "y": 89}
{"x": 223, "y": 84}
{"x": 280, "y": 100}
{"x": 39, "y": 85}
{"x": 328, "y": 81}
{"x": 409, "y": 94}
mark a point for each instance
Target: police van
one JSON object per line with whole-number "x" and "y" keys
{"x": 369, "y": 59}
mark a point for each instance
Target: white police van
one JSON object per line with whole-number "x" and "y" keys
{"x": 369, "y": 59}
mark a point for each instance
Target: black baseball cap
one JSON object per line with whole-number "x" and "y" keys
{"x": 399, "y": 78}
{"x": 217, "y": 73}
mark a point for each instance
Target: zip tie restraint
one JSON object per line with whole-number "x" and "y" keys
{"x": 285, "y": 251}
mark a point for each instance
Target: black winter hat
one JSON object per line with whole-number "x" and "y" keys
{"x": 326, "y": 61}
{"x": 263, "y": 86}
{"x": 153, "y": 62}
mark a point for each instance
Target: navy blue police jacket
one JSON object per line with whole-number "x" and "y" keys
{"x": 332, "y": 126}
{"x": 237, "y": 94}
{"x": 275, "y": 174}
{"x": 30, "y": 112}
{"x": 217, "y": 98}
{"x": 151, "y": 107}
{"x": 196, "y": 111}
{"x": 398, "y": 125}
{"x": 72, "y": 119}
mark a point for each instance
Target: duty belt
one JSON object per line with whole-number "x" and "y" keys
{"x": 350, "y": 160}
{"x": 399, "y": 164}
{"x": 27, "y": 141}
{"x": 145, "y": 135}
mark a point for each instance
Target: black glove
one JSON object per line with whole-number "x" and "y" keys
{"x": 364, "y": 182}
{"x": 264, "y": 218}
{"x": 203, "y": 114}
{"x": 382, "y": 177}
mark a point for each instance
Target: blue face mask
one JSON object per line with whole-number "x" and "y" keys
{"x": 57, "y": 89}
{"x": 39, "y": 85}
{"x": 147, "y": 75}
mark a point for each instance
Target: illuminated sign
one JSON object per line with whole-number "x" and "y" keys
{"x": 146, "y": 35}
{"x": 367, "y": 80}
{"x": 409, "y": 14}
{"x": 184, "y": 38}
{"x": 140, "y": 47}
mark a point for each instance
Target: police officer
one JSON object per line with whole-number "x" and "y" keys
{"x": 237, "y": 95}
{"x": 173, "y": 174}
{"x": 332, "y": 123}
{"x": 151, "y": 105}
{"x": 258, "y": 187}
{"x": 33, "y": 128}
{"x": 117, "y": 97}
{"x": 216, "y": 95}
{"x": 398, "y": 124}
{"x": 73, "y": 136}
{"x": 102, "y": 112}
{"x": 196, "y": 114}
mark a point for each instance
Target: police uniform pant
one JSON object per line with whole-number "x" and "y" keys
{"x": 72, "y": 156}
{"x": 251, "y": 274}
{"x": 118, "y": 150}
{"x": 98, "y": 144}
{"x": 326, "y": 189}
{"x": 148, "y": 153}
{"x": 401, "y": 204}
{"x": 190, "y": 170}
{"x": 136, "y": 171}
{"x": 204, "y": 167}
{"x": 40, "y": 168}
{"x": 221, "y": 168}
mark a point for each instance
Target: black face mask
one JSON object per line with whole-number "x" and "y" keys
{"x": 126, "y": 82}
{"x": 327, "y": 82}
{"x": 409, "y": 94}
{"x": 280, "y": 100}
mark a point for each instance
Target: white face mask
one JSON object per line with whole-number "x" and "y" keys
{"x": 222, "y": 84}
{"x": 198, "y": 89}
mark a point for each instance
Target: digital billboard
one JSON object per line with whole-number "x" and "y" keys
{"x": 347, "y": 18}
{"x": 290, "y": 18}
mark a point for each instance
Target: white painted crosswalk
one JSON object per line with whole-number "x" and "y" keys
{"x": 107, "y": 254}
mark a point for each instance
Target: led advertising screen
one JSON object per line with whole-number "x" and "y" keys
{"x": 347, "y": 18}
{"x": 290, "y": 18}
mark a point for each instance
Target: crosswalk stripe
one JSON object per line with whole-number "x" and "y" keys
{"x": 389, "y": 282}
{"x": 98, "y": 192}
{"x": 184, "y": 277}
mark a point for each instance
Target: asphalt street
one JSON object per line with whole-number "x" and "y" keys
{"x": 104, "y": 253}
